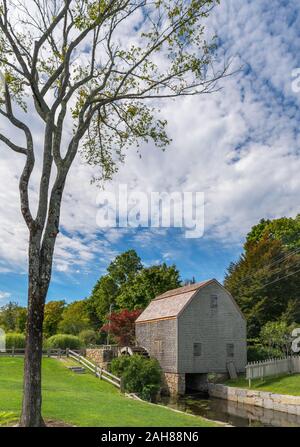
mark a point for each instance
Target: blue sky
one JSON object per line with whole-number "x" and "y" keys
{"x": 201, "y": 258}
{"x": 240, "y": 146}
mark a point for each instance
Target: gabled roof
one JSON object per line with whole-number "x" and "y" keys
{"x": 171, "y": 303}
{"x": 184, "y": 289}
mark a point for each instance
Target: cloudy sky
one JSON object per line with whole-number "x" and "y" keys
{"x": 240, "y": 146}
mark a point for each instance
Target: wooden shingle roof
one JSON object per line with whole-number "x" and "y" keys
{"x": 184, "y": 289}
{"x": 171, "y": 303}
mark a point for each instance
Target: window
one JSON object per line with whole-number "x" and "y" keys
{"x": 158, "y": 345}
{"x": 214, "y": 301}
{"x": 197, "y": 349}
{"x": 230, "y": 349}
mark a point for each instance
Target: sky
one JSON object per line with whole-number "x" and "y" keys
{"x": 240, "y": 146}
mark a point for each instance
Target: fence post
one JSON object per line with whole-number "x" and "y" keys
{"x": 100, "y": 373}
{"x": 290, "y": 363}
{"x": 67, "y": 352}
{"x": 48, "y": 352}
{"x": 122, "y": 385}
{"x": 13, "y": 352}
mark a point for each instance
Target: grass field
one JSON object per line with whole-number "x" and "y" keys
{"x": 82, "y": 400}
{"x": 278, "y": 385}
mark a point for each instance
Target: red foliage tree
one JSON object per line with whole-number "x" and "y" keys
{"x": 121, "y": 326}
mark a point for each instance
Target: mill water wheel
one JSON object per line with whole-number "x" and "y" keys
{"x": 132, "y": 350}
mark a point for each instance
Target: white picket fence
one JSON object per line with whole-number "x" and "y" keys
{"x": 272, "y": 367}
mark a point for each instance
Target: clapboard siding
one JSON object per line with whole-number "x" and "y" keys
{"x": 214, "y": 328}
{"x": 195, "y": 322}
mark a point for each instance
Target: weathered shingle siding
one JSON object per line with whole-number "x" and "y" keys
{"x": 166, "y": 331}
{"x": 214, "y": 329}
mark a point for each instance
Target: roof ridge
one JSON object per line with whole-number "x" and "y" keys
{"x": 182, "y": 289}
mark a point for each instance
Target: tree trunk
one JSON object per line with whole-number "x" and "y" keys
{"x": 41, "y": 248}
{"x": 37, "y": 291}
{"x": 32, "y": 397}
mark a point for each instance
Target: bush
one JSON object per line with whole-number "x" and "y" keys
{"x": 141, "y": 375}
{"x": 88, "y": 337}
{"x": 14, "y": 340}
{"x": 63, "y": 341}
{"x": 258, "y": 353}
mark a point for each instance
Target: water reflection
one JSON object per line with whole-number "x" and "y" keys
{"x": 233, "y": 413}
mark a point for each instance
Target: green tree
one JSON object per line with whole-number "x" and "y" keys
{"x": 277, "y": 335}
{"x": 286, "y": 230}
{"x": 129, "y": 285}
{"x": 13, "y": 317}
{"x": 103, "y": 296}
{"x": 64, "y": 61}
{"x": 52, "y": 317}
{"x": 74, "y": 318}
{"x": 265, "y": 283}
{"x": 125, "y": 267}
{"x": 22, "y": 319}
{"x": 8, "y": 316}
{"x": 146, "y": 285}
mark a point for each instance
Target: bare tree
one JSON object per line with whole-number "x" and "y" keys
{"x": 92, "y": 72}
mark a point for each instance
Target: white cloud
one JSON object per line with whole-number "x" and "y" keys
{"x": 239, "y": 146}
{"x": 4, "y": 295}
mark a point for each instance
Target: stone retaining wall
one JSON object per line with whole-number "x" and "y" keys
{"x": 100, "y": 357}
{"x": 278, "y": 402}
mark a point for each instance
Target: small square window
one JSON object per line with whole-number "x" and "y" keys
{"x": 230, "y": 349}
{"x": 197, "y": 349}
{"x": 214, "y": 301}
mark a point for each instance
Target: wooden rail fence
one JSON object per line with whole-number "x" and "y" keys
{"x": 75, "y": 355}
{"x": 14, "y": 352}
{"x": 99, "y": 372}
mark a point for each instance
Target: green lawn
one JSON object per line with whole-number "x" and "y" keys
{"x": 82, "y": 400}
{"x": 279, "y": 385}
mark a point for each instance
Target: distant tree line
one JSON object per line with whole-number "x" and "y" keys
{"x": 120, "y": 295}
{"x": 265, "y": 282}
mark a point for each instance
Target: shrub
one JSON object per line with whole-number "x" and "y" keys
{"x": 88, "y": 337}
{"x": 141, "y": 375}
{"x": 14, "y": 340}
{"x": 120, "y": 364}
{"x": 63, "y": 341}
{"x": 258, "y": 353}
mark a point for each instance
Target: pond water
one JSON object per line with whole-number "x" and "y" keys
{"x": 233, "y": 413}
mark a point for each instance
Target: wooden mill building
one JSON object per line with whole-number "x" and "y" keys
{"x": 192, "y": 331}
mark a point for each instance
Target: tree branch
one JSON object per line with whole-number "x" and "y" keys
{"x": 14, "y": 147}
{"x": 30, "y": 160}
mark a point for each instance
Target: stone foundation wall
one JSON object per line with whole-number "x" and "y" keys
{"x": 263, "y": 415}
{"x": 279, "y": 402}
{"x": 101, "y": 357}
{"x": 173, "y": 383}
